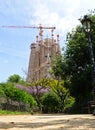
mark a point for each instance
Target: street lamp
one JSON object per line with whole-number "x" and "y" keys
{"x": 86, "y": 22}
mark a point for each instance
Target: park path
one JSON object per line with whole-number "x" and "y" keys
{"x": 47, "y": 122}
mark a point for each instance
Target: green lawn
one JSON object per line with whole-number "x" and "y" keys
{"x": 6, "y": 112}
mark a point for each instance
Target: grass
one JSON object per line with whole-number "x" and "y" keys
{"x": 6, "y": 112}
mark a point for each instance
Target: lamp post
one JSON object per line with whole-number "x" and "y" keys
{"x": 86, "y": 22}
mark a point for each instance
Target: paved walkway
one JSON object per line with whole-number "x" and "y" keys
{"x": 47, "y": 122}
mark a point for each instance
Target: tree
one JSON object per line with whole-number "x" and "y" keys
{"x": 2, "y": 94}
{"x": 39, "y": 88}
{"x": 62, "y": 92}
{"x": 57, "y": 66}
{"x": 14, "y": 78}
{"x": 75, "y": 64}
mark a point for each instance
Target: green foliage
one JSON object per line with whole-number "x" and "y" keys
{"x": 6, "y": 112}
{"x": 16, "y": 94}
{"x": 50, "y": 102}
{"x": 69, "y": 102}
{"x": 62, "y": 92}
{"x": 14, "y": 78}
{"x": 44, "y": 82}
{"x": 2, "y": 94}
{"x": 38, "y": 86}
{"x": 75, "y": 66}
{"x": 57, "y": 67}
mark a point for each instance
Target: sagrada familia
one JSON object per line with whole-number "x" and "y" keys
{"x": 42, "y": 52}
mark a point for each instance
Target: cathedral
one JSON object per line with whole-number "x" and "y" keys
{"x": 42, "y": 52}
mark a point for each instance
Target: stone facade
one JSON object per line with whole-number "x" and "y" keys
{"x": 40, "y": 58}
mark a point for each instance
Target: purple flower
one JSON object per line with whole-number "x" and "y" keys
{"x": 33, "y": 90}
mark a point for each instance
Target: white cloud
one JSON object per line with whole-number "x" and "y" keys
{"x": 63, "y": 14}
{"x": 58, "y": 13}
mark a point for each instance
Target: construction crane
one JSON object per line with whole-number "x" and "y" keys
{"x": 40, "y": 27}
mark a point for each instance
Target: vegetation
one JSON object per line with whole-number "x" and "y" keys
{"x": 6, "y": 112}
{"x": 74, "y": 67}
{"x": 14, "y": 78}
{"x": 38, "y": 89}
{"x": 15, "y": 99}
{"x": 51, "y": 103}
{"x": 62, "y": 93}
{"x": 46, "y": 95}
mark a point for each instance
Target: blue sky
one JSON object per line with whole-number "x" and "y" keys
{"x": 15, "y": 42}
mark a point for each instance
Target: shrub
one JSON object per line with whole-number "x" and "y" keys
{"x": 50, "y": 102}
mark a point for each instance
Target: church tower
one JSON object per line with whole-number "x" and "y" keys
{"x": 41, "y": 55}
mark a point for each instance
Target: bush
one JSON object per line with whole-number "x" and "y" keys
{"x": 69, "y": 102}
{"x": 13, "y": 94}
{"x": 50, "y": 103}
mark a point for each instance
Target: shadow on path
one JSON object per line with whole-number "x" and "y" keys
{"x": 64, "y": 124}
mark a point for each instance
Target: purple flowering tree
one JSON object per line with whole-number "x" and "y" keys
{"x": 37, "y": 89}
